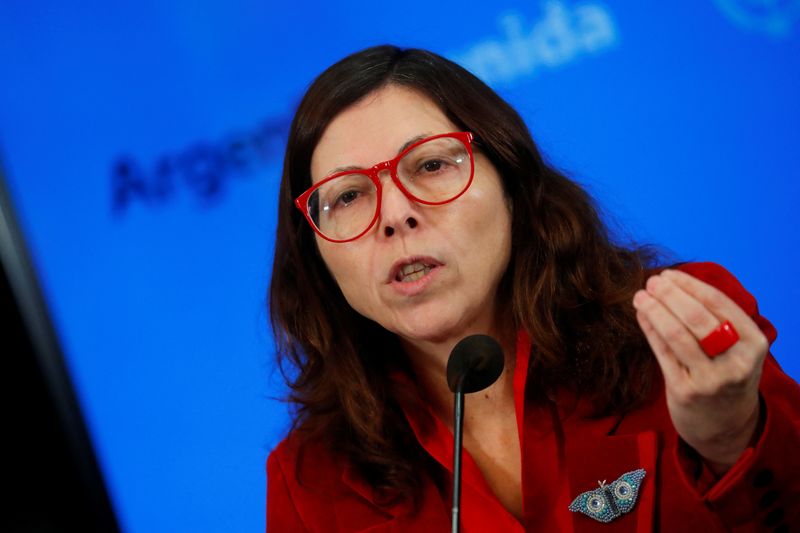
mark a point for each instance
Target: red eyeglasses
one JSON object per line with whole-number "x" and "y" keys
{"x": 434, "y": 171}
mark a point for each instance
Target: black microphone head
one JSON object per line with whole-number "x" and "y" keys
{"x": 475, "y": 363}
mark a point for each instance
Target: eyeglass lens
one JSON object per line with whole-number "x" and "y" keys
{"x": 435, "y": 171}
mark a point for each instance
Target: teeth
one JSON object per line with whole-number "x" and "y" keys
{"x": 413, "y": 272}
{"x": 416, "y": 275}
{"x": 410, "y": 269}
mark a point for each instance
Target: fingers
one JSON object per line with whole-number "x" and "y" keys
{"x": 697, "y": 318}
{"x": 670, "y": 366}
{"x": 716, "y": 302}
{"x": 683, "y": 310}
{"x": 671, "y": 330}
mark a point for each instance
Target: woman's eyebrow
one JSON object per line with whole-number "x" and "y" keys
{"x": 402, "y": 148}
{"x": 412, "y": 141}
{"x": 343, "y": 169}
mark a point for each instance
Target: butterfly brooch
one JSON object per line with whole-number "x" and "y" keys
{"x": 611, "y": 501}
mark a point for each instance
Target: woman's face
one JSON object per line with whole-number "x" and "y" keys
{"x": 464, "y": 246}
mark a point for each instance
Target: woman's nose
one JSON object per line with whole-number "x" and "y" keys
{"x": 399, "y": 213}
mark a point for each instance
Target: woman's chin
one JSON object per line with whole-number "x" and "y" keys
{"x": 429, "y": 330}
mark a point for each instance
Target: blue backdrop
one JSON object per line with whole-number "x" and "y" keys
{"x": 142, "y": 143}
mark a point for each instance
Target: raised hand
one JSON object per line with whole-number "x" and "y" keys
{"x": 713, "y": 401}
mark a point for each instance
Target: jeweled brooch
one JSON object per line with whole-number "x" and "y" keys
{"x": 611, "y": 501}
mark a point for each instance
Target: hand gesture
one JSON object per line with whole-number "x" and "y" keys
{"x": 713, "y": 401}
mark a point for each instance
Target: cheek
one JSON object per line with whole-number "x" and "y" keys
{"x": 492, "y": 228}
{"x": 336, "y": 261}
{"x": 490, "y": 211}
{"x": 350, "y": 268}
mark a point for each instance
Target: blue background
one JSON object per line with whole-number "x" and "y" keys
{"x": 681, "y": 118}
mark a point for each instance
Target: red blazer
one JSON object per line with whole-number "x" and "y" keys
{"x": 565, "y": 454}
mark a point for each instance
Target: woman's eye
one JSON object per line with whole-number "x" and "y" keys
{"x": 346, "y": 198}
{"x": 432, "y": 165}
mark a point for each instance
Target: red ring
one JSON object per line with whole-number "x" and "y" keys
{"x": 721, "y": 339}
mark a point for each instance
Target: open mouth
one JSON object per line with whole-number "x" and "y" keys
{"x": 412, "y": 269}
{"x": 413, "y": 272}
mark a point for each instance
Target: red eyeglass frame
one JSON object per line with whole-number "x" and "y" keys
{"x": 466, "y": 138}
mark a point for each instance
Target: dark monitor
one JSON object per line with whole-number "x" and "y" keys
{"x": 50, "y": 473}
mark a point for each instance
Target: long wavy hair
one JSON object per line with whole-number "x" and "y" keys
{"x": 568, "y": 284}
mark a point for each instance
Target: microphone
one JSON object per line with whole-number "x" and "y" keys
{"x": 475, "y": 363}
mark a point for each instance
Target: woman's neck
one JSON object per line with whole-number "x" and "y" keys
{"x": 429, "y": 363}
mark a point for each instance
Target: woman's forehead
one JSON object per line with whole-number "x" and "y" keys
{"x": 375, "y": 129}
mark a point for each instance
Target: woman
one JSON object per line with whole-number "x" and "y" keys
{"x": 381, "y": 268}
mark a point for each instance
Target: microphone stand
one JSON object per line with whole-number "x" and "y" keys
{"x": 474, "y": 364}
{"x": 458, "y": 430}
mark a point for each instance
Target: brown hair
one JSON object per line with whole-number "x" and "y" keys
{"x": 568, "y": 284}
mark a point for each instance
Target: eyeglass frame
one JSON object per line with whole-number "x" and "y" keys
{"x": 301, "y": 202}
